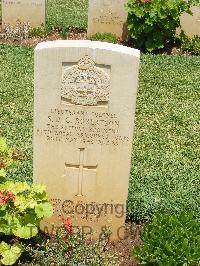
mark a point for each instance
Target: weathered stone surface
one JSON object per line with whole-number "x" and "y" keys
{"x": 191, "y": 24}
{"x": 85, "y": 98}
{"x": 107, "y": 16}
{"x": 26, "y": 11}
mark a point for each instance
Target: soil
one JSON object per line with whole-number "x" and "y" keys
{"x": 121, "y": 250}
{"x": 125, "y": 247}
{"x": 33, "y": 41}
{"x": 72, "y": 35}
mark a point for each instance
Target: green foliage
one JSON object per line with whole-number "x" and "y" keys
{"x": 6, "y": 158}
{"x": 40, "y": 32}
{"x": 71, "y": 249}
{"x": 10, "y": 254}
{"x": 104, "y": 37}
{"x": 64, "y": 32}
{"x": 22, "y": 206}
{"x": 22, "y": 212}
{"x": 191, "y": 45}
{"x": 170, "y": 240}
{"x": 152, "y": 23}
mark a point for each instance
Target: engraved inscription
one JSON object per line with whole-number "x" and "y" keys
{"x": 85, "y": 84}
{"x": 83, "y": 127}
{"x": 56, "y": 204}
{"x": 108, "y": 15}
{"x": 18, "y": 2}
{"x": 109, "y": 18}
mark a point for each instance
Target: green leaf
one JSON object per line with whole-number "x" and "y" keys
{"x": 4, "y": 247}
{"x": 38, "y": 188}
{"x": 11, "y": 254}
{"x": 23, "y": 203}
{"x": 26, "y": 232}
{"x": 15, "y": 187}
{"x": 20, "y": 187}
{"x": 3, "y": 145}
{"x": 25, "y": 226}
{"x": 44, "y": 210}
{"x": 2, "y": 173}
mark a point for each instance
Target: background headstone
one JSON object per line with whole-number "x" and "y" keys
{"x": 107, "y": 16}
{"x": 32, "y": 11}
{"x": 191, "y": 24}
{"x": 85, "y": 99}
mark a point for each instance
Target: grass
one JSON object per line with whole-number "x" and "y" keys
{"x": 65, "y": 14}
{"x": 165, "y": 167}
{"x": 166, "y": 160}
{"x": 16, "y": 111}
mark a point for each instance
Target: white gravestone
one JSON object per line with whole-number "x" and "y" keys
{"x": 85, "y": 99}
{"x": 107, "y": 16}
{"x": 24, "y": 11}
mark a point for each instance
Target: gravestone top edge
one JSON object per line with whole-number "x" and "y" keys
{"x": 88, "y": 44}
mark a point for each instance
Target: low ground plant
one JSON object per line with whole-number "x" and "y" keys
{"x": 190, "y": 45}
{"x": 170, "y": 240}
{"x": 40, "y": 32}
{"x": 19, "y": 31}
{"x": 71, "y": 248}
{"x": 104, "y": 37}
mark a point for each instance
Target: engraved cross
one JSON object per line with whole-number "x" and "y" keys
{"x": 81, "y": 166}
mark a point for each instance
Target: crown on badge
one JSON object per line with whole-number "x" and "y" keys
{"x": 86, "y": 63}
